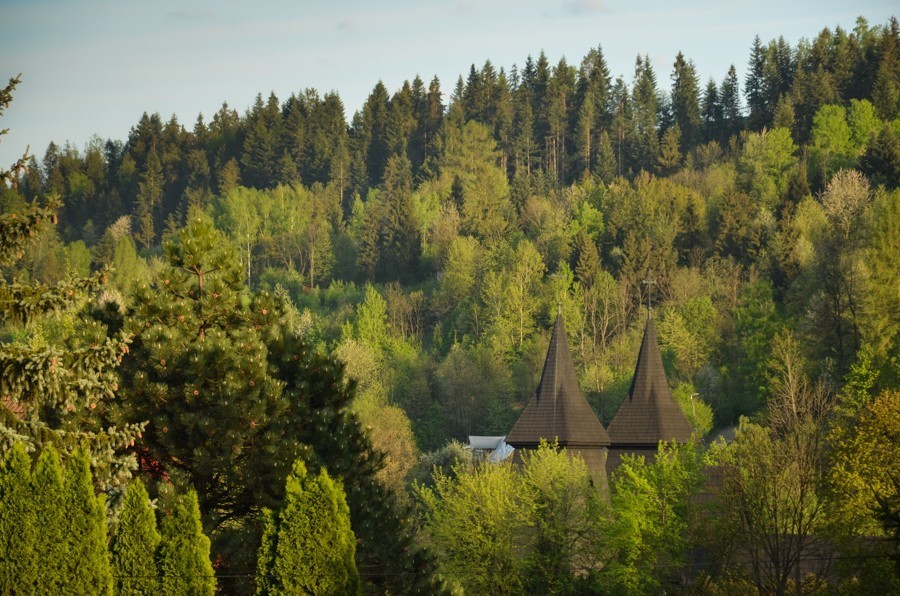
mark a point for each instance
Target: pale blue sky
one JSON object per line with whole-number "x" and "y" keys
{"x": 94, "y": 66}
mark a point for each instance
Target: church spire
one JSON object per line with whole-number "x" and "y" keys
{"x": 650, "y": 413}
{"x": 558, "y": 410}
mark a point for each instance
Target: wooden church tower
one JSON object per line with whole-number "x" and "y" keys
{"x": 559, "y": 412}
{"x": 650, "y": 413}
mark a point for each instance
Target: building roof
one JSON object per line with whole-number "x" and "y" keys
{"x": 649, "y": 414}
{"x": 558, "y": 410}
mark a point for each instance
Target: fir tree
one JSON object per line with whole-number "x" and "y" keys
{"x": 183, "y": 555}
{"x": 308, "y": 546}
{"x": 645, "y": 100}
{"x": 729, "y": 95}
{"x": 400, "y": 237}
{"x": 133, "y": 548}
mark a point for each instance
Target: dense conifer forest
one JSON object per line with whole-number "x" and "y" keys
{"x": 360, "y": 292}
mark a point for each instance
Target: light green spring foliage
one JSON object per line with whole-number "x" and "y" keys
{"x": 765, "y": 164}
{"x": 864, "y": 491}
{"x": 476, "y": 521}
{"x": 568, "y": 517}
{"x": 698, "y": 412}
{"x": 501, "y": 528}
{"x": 654, "y": 519}
{"x": 134, "y": 546}
{"x": 308, "y": 546}
{"x": 183, "y": 555}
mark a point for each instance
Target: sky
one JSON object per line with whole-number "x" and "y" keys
{"x": 93, "y": 67}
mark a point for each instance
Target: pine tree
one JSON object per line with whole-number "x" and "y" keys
{"x": 197, "y": 372}
{"x": 308, "y": 546}
{"x": 133, "y": 548}
{"x": 183, "y": 556}
{"x": 234, "y": 397}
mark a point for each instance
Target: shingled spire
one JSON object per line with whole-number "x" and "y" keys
{"x": 649, "y": 414}
{"x": 559, "y": 412}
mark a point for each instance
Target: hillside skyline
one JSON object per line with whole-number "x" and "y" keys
{"x": 108, "y": 64}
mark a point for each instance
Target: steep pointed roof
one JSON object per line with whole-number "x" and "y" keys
{"x": 558, "y": 410}
{"x": 649, "y": 414}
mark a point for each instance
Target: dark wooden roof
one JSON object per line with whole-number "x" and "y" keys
{"x": 558, "y": 410}
{"x": 649, "y": 414}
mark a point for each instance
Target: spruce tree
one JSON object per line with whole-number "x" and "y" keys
{"x": 59, "y": 372}
{"x": 183, "y": 555}
{"x": 133, "y": 548}
{"x": 686, "y": 102}
{"x": 308, "y": 546}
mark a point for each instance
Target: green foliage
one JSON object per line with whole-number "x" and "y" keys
{"x": 529, "y": 528}
{"x": 880, "y": 327}
{"x": 764, "y": 166}
{"x": 19, "y": 535}
{"x": 655, "y": 519}
{"x": 271, "y": 401}
{"x": 698, "y": 412}
{"x": 52, "y": 526}
{"x": 476, "y": 521}
{"x": 51, "y": 522}
{"x": 498, "y": 208}
{"x": 191, "y": 321}
{"x": 568, "y": 511}
{"x": 134, "y": 545}
{"x": 86, "y": 566}
{"x": 308, "y": 546}
{"x": 183, "y": 555}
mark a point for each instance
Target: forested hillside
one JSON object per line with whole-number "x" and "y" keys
{"x": 427, "y": 244}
